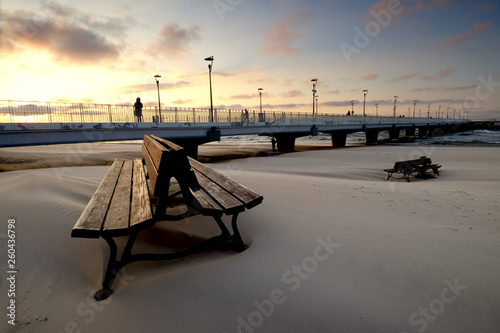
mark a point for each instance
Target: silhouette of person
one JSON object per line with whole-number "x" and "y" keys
{"x": 348, "y": 113}
{"x": 138, "y": 109}
{"x": 246, "y": 116}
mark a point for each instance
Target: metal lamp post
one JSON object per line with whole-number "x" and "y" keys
{"x": 394, "y": 108}
{"x": 352, "y": 107}
{"x": 317, "y": 104}
{"x": 364, "y": 104}
{"x": 158, "y": 87}
{"x": 428, "y": 110}
{"x": 315, "y": 82}
{"x": 210, "y": 65}
{"x": 260, "y": 93}
{"x": 414, "y": 105}
{"x": 376, "y": 109}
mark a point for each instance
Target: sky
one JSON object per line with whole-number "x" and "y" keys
{"x": 439, "y": 52}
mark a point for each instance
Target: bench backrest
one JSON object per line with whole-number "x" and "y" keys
{"x": 165, "y": 160}
{"x": 412, "y": 164}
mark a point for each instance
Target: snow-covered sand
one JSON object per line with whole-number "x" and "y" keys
{"x": 334, "y": 247}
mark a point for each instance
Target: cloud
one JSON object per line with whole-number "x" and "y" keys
{"x": 455, "y": 39}
{"x": 281, "y": 38}
{"x": 115, "y": 26}
{"x": 297, "y": 18}
{"x": 69, "y": 34}
{"x": 475, "y": 29}
{"x": 279, "y": 41}
{"x": 442, "y": 88}
{"x": 370, "y": 77}
{"x": 152, "y": 87}
{"x": 182, "y": 101}
{"x": 173, "y": 40}
{"x": 486, "y": 7}
{"x": 441, "y": 73}
{"x": 244, "y": 96}
{"x": 406, "y": 8}
{"x": 479, "y": 27}
{"x": 401, "y": 77}
{"x": 431, "y": 6}
{"x": 292, "y": 93}
{"x": 339, "y": 103}
{"x": 263, "y": 80}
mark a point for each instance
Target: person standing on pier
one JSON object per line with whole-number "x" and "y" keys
{"x": 138, "y": 109}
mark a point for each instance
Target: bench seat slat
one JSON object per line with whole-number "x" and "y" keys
{"x": 204, "y": 203}
{"x": 89, "y": 224}
{"x": 119, "y": 208}
{"x": 140, "y": 209}
{"x": 248, "y": 197}
{"x": 226, "y": 200}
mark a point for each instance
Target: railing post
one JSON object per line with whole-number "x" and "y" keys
{"x": 81, "y": 113}
{"x": 9, "y": 104}
{"x": 194, "y": 116}
{"x": 49, "y": 112}
{"x": 110, "y": 116}
{"x": 175, "y": 112}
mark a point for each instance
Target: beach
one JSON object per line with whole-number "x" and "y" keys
{"x": 334, "y": 247}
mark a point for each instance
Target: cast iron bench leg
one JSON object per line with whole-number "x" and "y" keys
{"x": 111, "y": 271}
{"x": 240, "y": 246}
{"x": 235, "y": 237}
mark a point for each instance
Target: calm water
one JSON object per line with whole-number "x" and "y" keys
{"x": 469, "y": 138}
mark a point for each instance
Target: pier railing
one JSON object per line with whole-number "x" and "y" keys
{"x": 59, "y": 112}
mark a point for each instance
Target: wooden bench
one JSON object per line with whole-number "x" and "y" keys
{"x": 410, "y": 167}
{"x": 130, "y": 199}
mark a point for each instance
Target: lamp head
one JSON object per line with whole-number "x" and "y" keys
{"x": 211, "y": 58}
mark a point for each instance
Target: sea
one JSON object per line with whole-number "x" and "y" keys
{"x": 478, "y": 137}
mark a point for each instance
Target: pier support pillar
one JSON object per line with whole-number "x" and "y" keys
{"x": 338, "y": 139}
{"x": 410, "y": 131}
{"x": 422, "y": 131}
{"x": 371, "y": 136}
{"x": 286, "y": 142}
{"x": 394, "y": 134}
{"x": 436, "y": 131}
{"x": 190, "y": 145}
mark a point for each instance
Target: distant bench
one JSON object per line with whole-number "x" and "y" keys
{"x": 410, "y": 167}
{"x": 126, "y": 203}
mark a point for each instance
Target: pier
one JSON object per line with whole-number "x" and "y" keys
{"x": 45, "y": 124}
